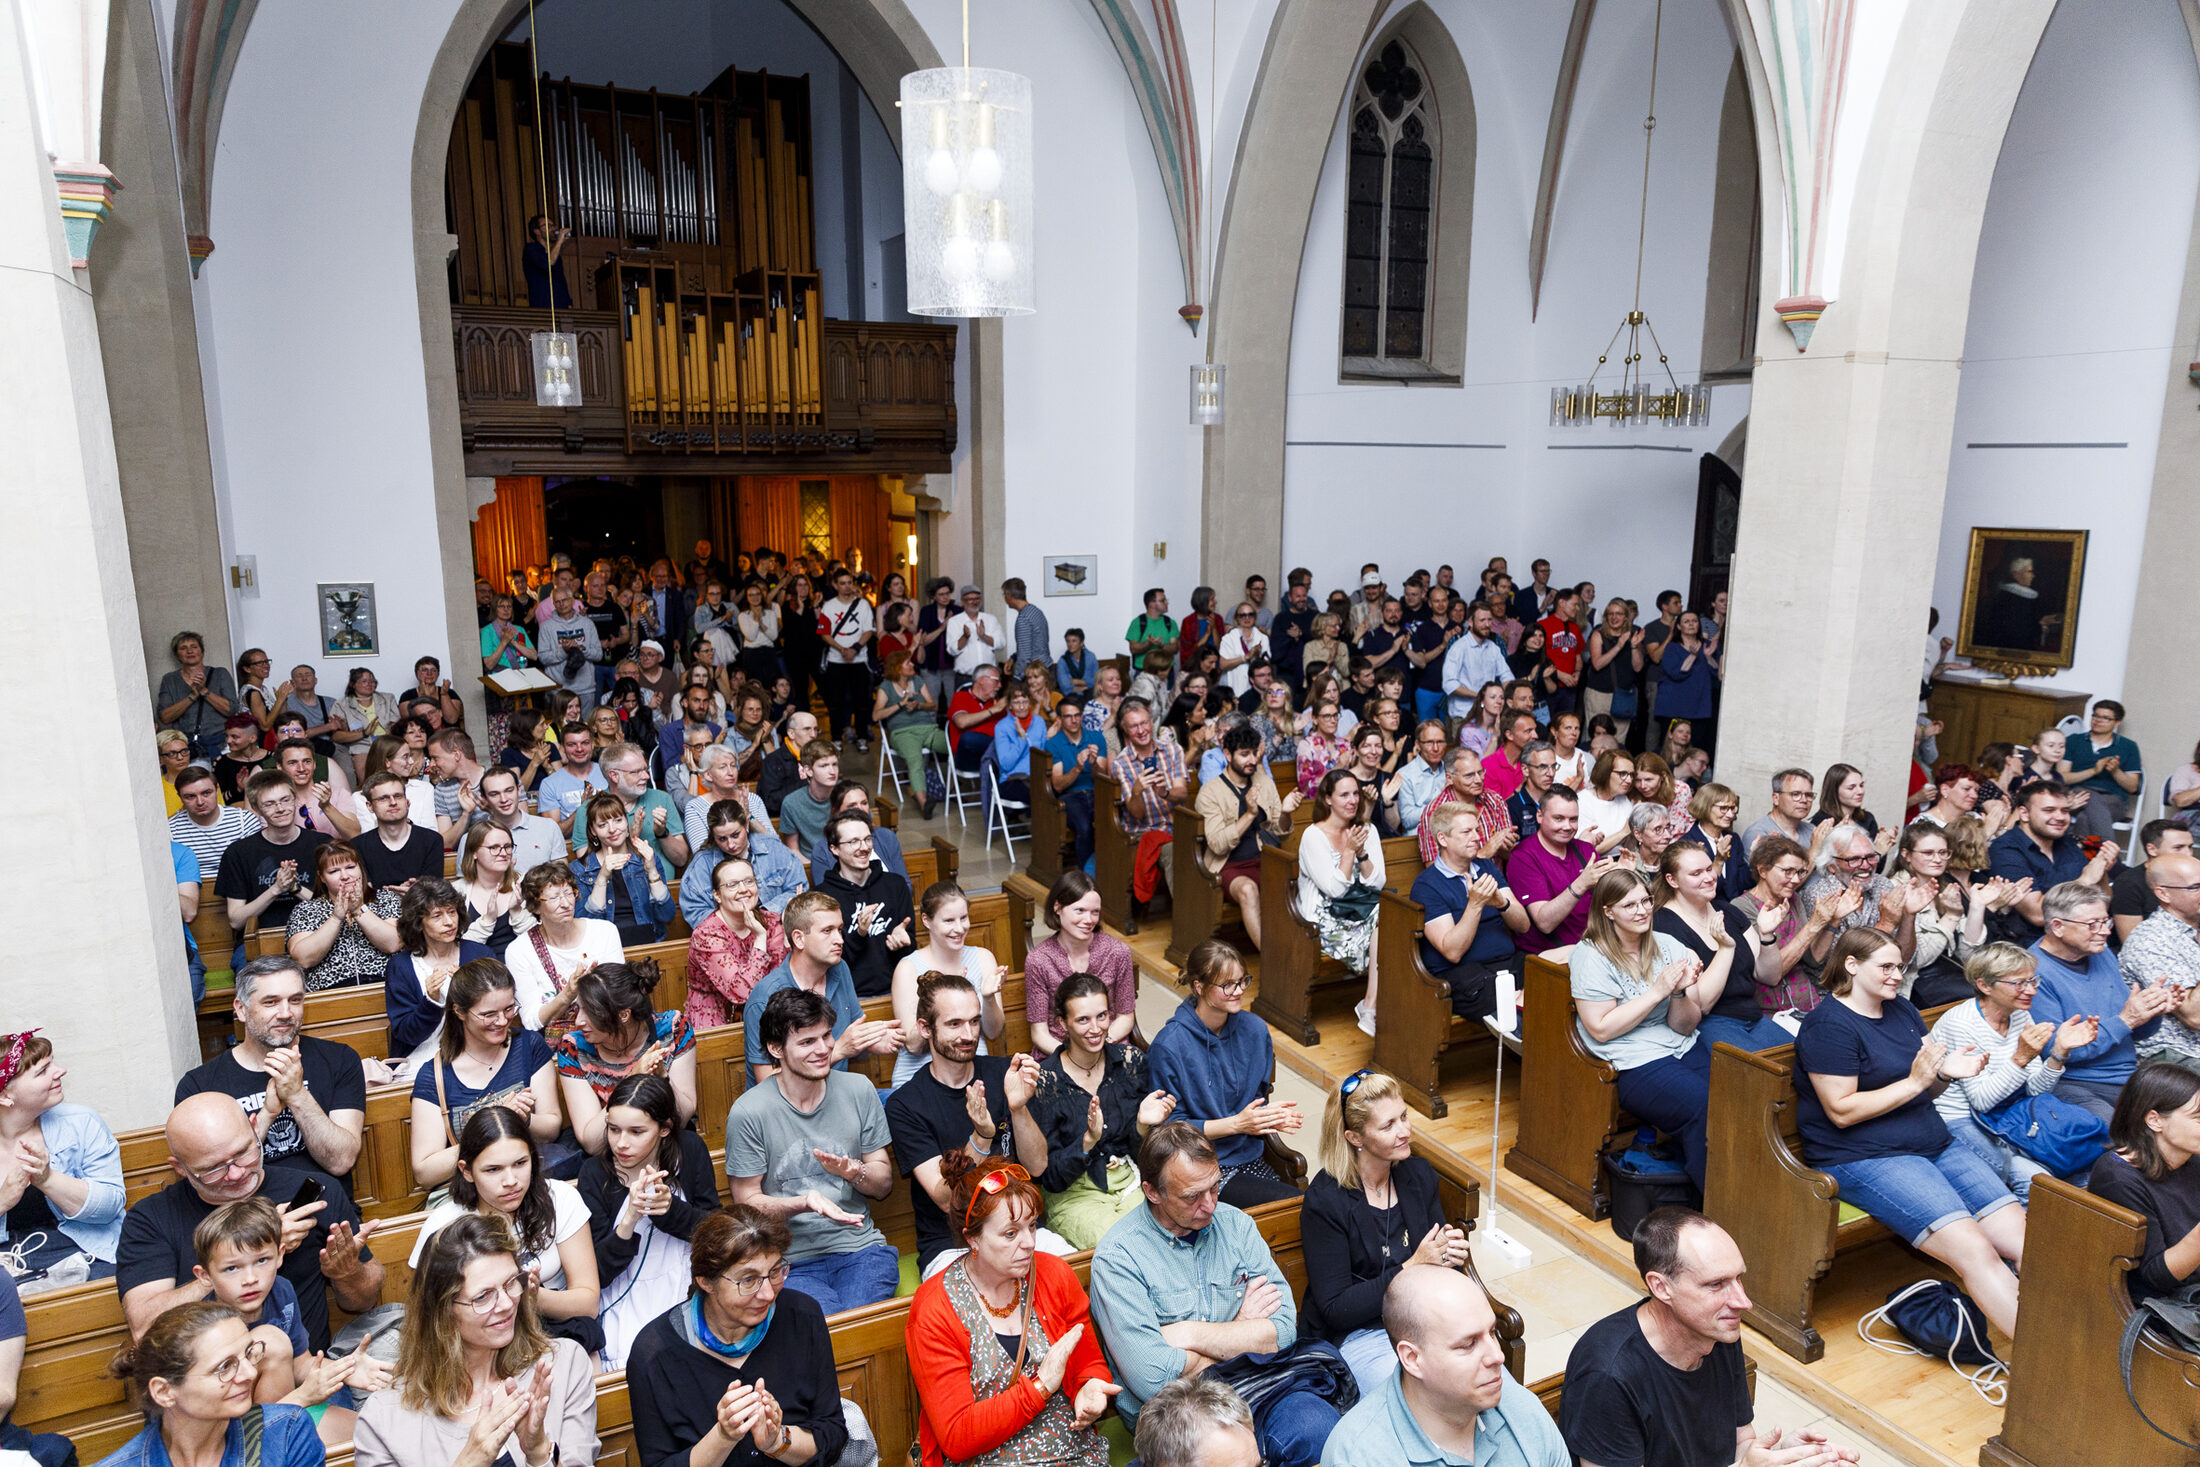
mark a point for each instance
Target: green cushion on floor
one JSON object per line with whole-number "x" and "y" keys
{"x": 909, "y": 1280}
{"x": 1118, "y": 1437}
{"x": 1849, "y": 1213}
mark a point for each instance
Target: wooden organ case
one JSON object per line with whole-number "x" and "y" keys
{"x": 696, "y": 295}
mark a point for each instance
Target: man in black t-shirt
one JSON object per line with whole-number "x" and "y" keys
{"x": 880, "y": 920}
{"x": 940, "y": 1108}
{"x": 213, "y": 1150}
{"x": 240, "y": 759}
{"x": 395, "y": 852}
{"x": 307, "y": 1097}
{"x": 2130, "y": 899}
{"x": 264, "y": 874}
{"x": 1661, "y": 1383}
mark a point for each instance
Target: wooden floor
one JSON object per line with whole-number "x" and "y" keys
{"x": 1899, "y": 1408}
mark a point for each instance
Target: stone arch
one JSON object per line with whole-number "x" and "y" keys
{"x": 879, "y": 40}
{"x": 1450, "y": 99}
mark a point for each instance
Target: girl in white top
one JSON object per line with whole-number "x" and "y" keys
{"x": 547, "y": 963}
{"x": 1608, "y": 799}
{"x": 946, "y": 933}
{"x": 488, "y": 884}
{"x": 500, "y": 1175}
{"x": 1338, "y": 851}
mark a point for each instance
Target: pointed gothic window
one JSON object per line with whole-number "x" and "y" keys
{"x": 1390, "y": 214}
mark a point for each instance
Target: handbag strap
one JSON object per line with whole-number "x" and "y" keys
{"x": 2133, "y": 1328}
{"x": 443, "y": 1101}
{"x": 255, "y": 1422}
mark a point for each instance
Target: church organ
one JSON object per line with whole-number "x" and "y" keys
{"x": 692, "y": 267}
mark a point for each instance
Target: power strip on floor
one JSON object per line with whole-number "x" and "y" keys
{"x": 1509, "y": 1248}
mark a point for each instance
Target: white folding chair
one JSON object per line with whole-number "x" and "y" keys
{"x": 889, "y": 769}
{"x": 997, "y": 806}
{"x": 958, "y": 781}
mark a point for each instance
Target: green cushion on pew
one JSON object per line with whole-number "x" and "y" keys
{"x": 1118, "y": 1438}
{"x": 220, "y": 978}
{"x": 909, "y": 1280}
{"x": 1849, "y": 1213}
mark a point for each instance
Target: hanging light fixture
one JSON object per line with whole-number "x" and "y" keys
{"x": 966, "y": 189}
{"x": 1207, "y": 394}
{"x": 1635, "y": 401}
{"x": 557, "y": 375}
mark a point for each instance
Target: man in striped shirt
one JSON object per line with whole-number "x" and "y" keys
{"x": 1150, "y": 773}
{"x": 204, "y": 823}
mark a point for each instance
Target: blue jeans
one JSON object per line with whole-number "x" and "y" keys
{"x": 1374, "y": 1360}
{"x": 1916, "y": 1196}
{"x": 198, "y": 973}
{"x": 1294, "y": 1428}
{"x": 1762, "y": 1035}
{"x": 1674, "y": 1095}
{"x": 841, "y": 1281}
{"x": 1077, "y": 814}
{"x": 49, "y": 1448}
{"x": 2011, "y": 1165}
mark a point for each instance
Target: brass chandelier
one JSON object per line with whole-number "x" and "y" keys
{"x": 1634, "y": 401}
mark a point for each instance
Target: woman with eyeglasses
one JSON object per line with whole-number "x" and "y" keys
{"x": 480, "y": 1382}
{"x": 738, "y": 943}
{"x": 500, "y": 1179}
{"x": 483, "y": 1056}
{"x": 2022, "y": 1058}
{"x": 1951, "y": 926}
{"x": 1370, "y": 1211}
{"x": 1638, "y": 995}
{"x": 1002, "y": 1348}
{"x": 417, "y": 978}
{"x": 488, "y": 888}
{"x": 1608, "y": 799}
{"x": 742, "y": 1372}
{"x": 1867, "y": 1079}
{"x": 192, "y": 1374}
{"x": 1220, "y": 1064}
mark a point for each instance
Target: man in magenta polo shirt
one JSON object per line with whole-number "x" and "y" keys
{"x": 1503, "y": 771}
{"x": 1552, "y": 874}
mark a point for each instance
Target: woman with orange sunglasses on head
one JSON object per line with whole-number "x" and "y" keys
{"x": 1001, "y": 1342}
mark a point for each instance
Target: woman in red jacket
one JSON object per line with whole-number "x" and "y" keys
{"x": 1001, "y": 1343}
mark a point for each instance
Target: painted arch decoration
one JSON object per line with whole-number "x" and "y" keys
{"x": 209, "y": 34}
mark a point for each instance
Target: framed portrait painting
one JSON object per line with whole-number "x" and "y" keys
{"x": 2020, "y": 598}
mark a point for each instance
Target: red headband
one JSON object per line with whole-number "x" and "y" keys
{"x": 11, "y": 1064}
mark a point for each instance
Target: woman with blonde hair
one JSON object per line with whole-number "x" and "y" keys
{"x": 174, "y": 747}
{"x": 478, "y": 1381}
{"x": 1371, "y": 1211}
{"x": 488, "y": 887}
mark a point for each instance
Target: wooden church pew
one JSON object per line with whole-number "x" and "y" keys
{"x": 1569, "y": 1099}
{"x": 1200, "y": 909}
{"x": 1292, "y": 965}
{"x": 1414, "y": 1022}
{"x": 2066, "y": 1392}
{"x": 1786, "y": 1216}
{"x": 1049, "y": 825}
{"x": 1114, "y": 853}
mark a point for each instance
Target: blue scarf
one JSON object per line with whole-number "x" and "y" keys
{"x": 732, "y": 1349}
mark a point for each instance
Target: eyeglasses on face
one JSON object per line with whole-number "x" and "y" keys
{"x": 745, "y": 1285}
{"x": 481, "y": 1303}
{"x": 2029, "y": 980}
{"x": 2090, "y": 924}
{"x": 227, "y": 1370}
{"x": 1233, "y": 985}
{"x": 242, "y": 1161}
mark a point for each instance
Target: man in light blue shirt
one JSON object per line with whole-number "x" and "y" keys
{"x": 565, "y": 789}
{"x": 1475, "y": 659}
{"x": 1449, "y": 1402}
{"x": 1187, "y": 1281}
{"x": 779, "y": 879}
{"x": 1423, "y": 777}
{"x": 812, "y": 924}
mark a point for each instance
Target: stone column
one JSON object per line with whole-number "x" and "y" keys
{"x": 141, "y": 286}
{"x": 87, "y": 894}
{"x": 1849, "y": 443}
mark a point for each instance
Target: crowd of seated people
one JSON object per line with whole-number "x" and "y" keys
{"x": 1555, "y": 776}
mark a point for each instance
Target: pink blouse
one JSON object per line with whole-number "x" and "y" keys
{"x": 723, "y": 967}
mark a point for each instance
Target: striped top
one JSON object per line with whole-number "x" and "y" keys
{"x": 577, "y": 1058}
{"x": 2001, "y": 1080}
{"x": 207, "y": 842}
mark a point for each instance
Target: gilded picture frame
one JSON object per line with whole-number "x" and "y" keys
{"x": 2021, "y": 592}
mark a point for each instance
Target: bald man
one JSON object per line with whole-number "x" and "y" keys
{"x": 2167, "y": 946}
{"x": 217, "y": 1160}
{"x": 1450, "y": 1399}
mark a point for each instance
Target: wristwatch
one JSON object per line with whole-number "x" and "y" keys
{"x": 786, "y": 1435}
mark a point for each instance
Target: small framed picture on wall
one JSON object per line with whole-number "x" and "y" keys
{"x": 348, "y": 626}
{"x": 1072, "y": 575}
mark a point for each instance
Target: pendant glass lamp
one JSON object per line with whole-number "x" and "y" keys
{"x": 966, "y": 192}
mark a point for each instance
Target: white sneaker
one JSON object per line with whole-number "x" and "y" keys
{"x": 1365, "y": 1013}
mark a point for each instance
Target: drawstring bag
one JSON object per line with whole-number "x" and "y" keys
{"x": 1940, "y": 1320}
{"x": 2176, "y": 1316}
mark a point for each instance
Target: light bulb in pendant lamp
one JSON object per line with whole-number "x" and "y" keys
{"x": 557, "y": 369}
{"x": 969, "y": 245}
{"x": 1207, "y": 383}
